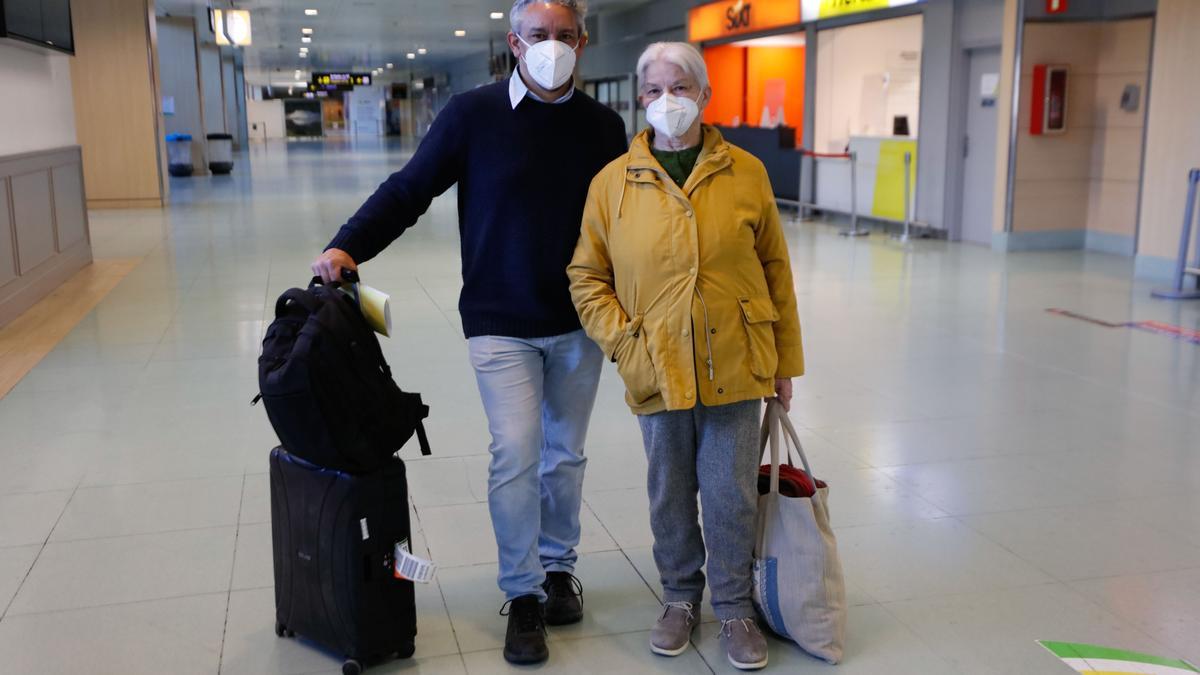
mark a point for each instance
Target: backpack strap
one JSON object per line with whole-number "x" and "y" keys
{"x": 423, "y": 439}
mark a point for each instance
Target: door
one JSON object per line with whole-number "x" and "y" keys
{"x": 979, "y": 147}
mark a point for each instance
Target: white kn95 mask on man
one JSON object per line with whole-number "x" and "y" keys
{"x": 672, "y": 115}
{"x": 551, "y": 63}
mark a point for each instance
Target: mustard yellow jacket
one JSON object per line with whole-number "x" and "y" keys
{"x": 688, "y": 290}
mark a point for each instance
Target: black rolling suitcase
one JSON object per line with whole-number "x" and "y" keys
{"x": 334, "y": 538}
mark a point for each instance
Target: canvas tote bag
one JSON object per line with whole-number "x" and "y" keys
{"x": 798, "y": 585}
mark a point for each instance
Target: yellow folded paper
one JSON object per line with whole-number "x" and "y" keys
{"x": 376, "y": 308}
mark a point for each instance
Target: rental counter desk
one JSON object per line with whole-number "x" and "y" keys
{"x": 776, "y": 148}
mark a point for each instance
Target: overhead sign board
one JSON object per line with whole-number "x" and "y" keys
{"x": 736, "y": 17}
{"x": 827, "y": 9}
{"x": 728, "y": 18}
{"x": 343, "y": 81}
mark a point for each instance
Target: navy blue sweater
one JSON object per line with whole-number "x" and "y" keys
{"x": 523, "y": 178}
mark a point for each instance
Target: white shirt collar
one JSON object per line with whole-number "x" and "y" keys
{"x": 518, "y": 90}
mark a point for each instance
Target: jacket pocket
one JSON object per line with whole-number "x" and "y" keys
{"x": 760, "y": 315}
{"x": 634, "y": 364}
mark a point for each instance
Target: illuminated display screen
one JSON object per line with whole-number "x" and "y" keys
{"x": 341, "y": 80}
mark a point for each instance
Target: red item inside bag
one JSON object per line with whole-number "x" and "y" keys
{"x": 793, "y": 482}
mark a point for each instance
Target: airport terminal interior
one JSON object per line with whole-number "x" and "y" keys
{"x": 984, "y": 207}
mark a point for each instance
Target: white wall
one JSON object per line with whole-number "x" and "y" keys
{"x": 39, "y": 111}
{"x": 214, "y": 92}
{"x": 265, "y": 115}
{"x": 853, "y": 64}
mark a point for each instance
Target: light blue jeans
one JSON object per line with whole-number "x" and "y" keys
{"x": 538, "y": 395}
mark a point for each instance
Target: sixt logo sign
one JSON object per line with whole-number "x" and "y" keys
{"x": 738, "y": 16}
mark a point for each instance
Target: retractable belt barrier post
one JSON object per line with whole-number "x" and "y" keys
{"x": 1182, "y": 270}
{"x": 907, "y": 198}
{"x": 853, "y": 158}
{"x": 854, "y": 231}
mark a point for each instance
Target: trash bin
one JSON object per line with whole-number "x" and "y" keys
{"x": 179, "y": 155}
{"x": 220, "y": 153}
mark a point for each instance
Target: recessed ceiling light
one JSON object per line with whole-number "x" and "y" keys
{"x": 391, "y": 65}
{"x": 460, "y": 33}
{"x": 497, "y": 15}
{"x": 422, "y": 51}
{"x": 304, "y": 55}
{"x": 310, "y": 12}
{"x": 304, "y": 50}
{"x": 306, "y": 31}
{"x": 411, "y": 56}
{"x": 306, "y": 40}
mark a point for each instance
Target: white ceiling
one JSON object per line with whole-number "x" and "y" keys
{"x": 366, "y": 34}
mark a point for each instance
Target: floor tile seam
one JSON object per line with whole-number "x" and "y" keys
{"x": 1096, "y": 501}
{"x": 1132, "y": 575}
{"x": 1114, "y": 616}
{"x": 1104, "y": 385}
{"x": 976, "y": 458}
{"x": 1158, "y": 571}
{"x": 562, "y": 639}
{"x": 232, "y": 572}
{"x": 939, "y": 597}
{"x": 913, "y": 630}
{"x": 435, "y": 304}
{"x": 38, "y": 557}
{"x": 123, "y": 603}
{"x": 1010, "y": 551}
{"x": 152, "y": 482}
{"x": 109, "y": 537}
{"x": 34, "y": 493}
{"x": 85, "y": 488}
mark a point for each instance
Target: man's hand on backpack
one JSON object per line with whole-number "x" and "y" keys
{"x": 330, "y": 264}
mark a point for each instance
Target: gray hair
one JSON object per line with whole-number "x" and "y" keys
{"x": 517, "y": 13}
{"x": 681, "y": 54}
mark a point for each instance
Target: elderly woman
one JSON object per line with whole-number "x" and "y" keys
{"x": 682, "y": 276}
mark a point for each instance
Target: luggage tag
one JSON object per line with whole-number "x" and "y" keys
{"x": 411, "y": 567}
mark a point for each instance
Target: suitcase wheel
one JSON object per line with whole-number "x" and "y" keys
{"x": 280, "y": 629}
{"x": 406, "y": 651}
{"x": 352, "y": 667}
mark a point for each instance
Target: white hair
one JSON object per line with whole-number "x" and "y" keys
{"x": 517, "y": 13}
{"x": 680, "y": 54}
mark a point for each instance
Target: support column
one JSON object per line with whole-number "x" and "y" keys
{"x": 118, "y": 115}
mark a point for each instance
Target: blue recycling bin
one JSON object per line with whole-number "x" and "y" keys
{"x": 179, "y": 155}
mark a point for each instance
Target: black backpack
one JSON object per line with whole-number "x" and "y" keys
{"x": 327, "y": 389}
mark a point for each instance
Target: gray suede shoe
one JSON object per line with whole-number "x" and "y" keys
{"x": 745, "y": 646}
{"x": 673, "y": 631}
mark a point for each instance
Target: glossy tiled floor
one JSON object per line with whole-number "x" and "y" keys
{"x": 999, "y": 475}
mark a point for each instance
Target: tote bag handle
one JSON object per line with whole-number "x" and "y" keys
{"x": 776, "y": 419}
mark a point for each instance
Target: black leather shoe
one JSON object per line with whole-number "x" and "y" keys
{"x": 564, "y": 598}
{"x": 525, "y": 642}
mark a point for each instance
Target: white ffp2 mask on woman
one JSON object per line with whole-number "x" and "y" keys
{"x": 672, "y": 115}
{"x": 550, "y": 62}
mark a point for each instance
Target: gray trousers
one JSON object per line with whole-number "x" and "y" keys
{"x": 713, "y": 452}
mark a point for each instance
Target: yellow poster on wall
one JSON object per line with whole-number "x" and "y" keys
{"x": 825, "y": 9}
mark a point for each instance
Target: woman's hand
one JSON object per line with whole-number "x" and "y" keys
{"x": 783, "y": 392}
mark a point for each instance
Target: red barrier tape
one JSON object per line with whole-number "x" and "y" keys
{"x": 825, "y": 155}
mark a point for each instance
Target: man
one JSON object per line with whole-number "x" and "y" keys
{"x": 523, "y": 153}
